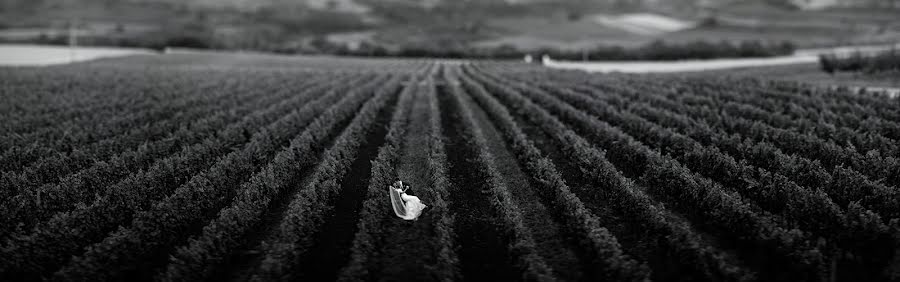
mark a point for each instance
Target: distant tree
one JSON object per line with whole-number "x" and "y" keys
{"x": 372, "y": 49}
{"x": 826, "y": 63}
{"x": 886, "y": 61}
{"x": 656, "y": 50}
{"x": 574, "y": 15}
{"x": 506, "y": 51}
{"x": 709, "y": 21}
{"x": 188, "y": 41}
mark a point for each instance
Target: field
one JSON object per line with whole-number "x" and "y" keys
{"x": 810, "y": 73}
{"x": 233, "y": 168}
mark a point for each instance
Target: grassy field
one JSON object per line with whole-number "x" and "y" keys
{"x": 198, "y": 167}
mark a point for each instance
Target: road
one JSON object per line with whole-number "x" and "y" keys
{"x": 799, "y": 57}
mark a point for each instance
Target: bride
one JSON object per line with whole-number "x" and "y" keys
{"x": 405, "y": 206}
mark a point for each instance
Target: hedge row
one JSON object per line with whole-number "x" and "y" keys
{"x": 306, "y": 211}
{"x": 807, "y": 209}
{"x": 606, "y": 252}
{"x": 82, "y": 187}
{"x": 45, "y": 248}
{"x": 160, "y": 226}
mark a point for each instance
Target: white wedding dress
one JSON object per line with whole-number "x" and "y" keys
{"x": 405, "y": 206}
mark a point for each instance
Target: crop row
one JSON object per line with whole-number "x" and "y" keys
{"x": 119, "y": 202}
{"x": 81, "y": 187}
{"x": 61, "y": 164}
{"x": 630, "y": 198}
{"x": 374, "y": 252}
{"x": 877, "y": 165}
{"x": 695, "y": 196}
{"x": 848, "y": 226}
{"x": 843, "y": 184}
{"x": 82, "y": 138}
{"x": 304, "y": 215}
{"x": 812, "y": 209}
{"x": 607, "y": 255}
{"x": 143, "y": 245}
{"x": 279, "y": 171}
{"x": 41, "y": 100}
{"x": 535, "y": 268}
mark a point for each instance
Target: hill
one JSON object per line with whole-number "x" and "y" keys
{"x": 529, "y": 24}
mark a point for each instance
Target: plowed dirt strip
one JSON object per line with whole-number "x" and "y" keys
{"x": 414, "y": 236}
{"x": 483, "y": 250}
{"x": 386, "y": 246}
{"x": 559, "y": 250}
{"x": 315, "y": 214}
{"x": 373, "y": 216}
{"x": 414, "y": 260}
{"x": 447, "y": 264}
{"x": 331, "y": 245}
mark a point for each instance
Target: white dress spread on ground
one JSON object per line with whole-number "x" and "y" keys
{"x": 405, "y": 206}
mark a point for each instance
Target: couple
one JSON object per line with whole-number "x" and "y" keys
{"x": 405, "y": 206}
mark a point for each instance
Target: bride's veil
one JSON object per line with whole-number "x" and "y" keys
{"x": 397, "y": 202}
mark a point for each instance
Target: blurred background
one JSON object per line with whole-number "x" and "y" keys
{"x": 574, "y": 29}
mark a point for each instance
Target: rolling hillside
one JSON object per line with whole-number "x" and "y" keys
{"x": 529, "y": 24}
